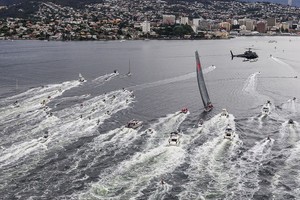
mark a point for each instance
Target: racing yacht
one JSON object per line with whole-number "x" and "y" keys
{"x": 174, "y": 138}
{"x": 229, "y": 133}
{"x": 201, "y": 85}
{"x": 134, "y": 124}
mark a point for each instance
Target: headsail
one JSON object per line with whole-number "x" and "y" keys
{"x": 201, "y": 84}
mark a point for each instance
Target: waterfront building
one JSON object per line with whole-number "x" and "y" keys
{"x": 271, "y": 22}
{"x": 225, "y": 25}
{"x": 196, "y": 22}
{"x": 249, "y": 25}
{"x": 168, "y": 19}
{"x": 184, "y": 20}
{"x": 204, "y": 25}
{"x": 285, "y": 26}
{"x": 261, "y": 27}
{"x": 145, "y": 27}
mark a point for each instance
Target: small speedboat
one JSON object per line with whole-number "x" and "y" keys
{"x": 266, "y": 109}
{"x": 16, "y": 104}
{"x": 149, "y": 131}
{"x": 224, "y": 113}
{"x": 174, "y": 138}
{"x": 184, "y": 110}
{"x": 134, "y": 124}
{"x": 200, "y": 123}
{"x": 229, "y": 133}
{"x": 291, "y": 123}
{"x": 81, "y": 79}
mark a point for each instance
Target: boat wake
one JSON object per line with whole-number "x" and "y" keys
{"x": 208, "y": 169}
{"x": 246, "y": 171}
{"x": 251, "y": 84}
{"x": 171, "y": 80}
{"x": 141, "y": 174}
{"x": 62, "y": 128}
{"x": 286, "y": 181}
{"x": 102, "y": 79}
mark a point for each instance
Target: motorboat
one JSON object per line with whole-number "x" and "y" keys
{"x": 134, "y": 124}
{"x": 81, "y": 79}
{"x": 149, "y": 131}
{"x": 184, "y": 110}
{"x": 229, "y": 133}
{"x": 291, "y": 123}
{"x": 224, "y": 113}
{"x": 16, "y": 104}
{"x": 272, "y": 41}
{"x": 200, "y": 125}
{"x": 266, "y": 109}
{"x": 174, "y": 138}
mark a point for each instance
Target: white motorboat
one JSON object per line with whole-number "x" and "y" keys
{"x": 174, "y": 138}
{"x": 291, "y": 123}
{"x": 81, "y": 79}
{"x": 229, "y": 133}
{"x": 16, "y": 104}
{"x": 149, "y": 131}
{"x": 200, "y": 125}
{"x": 266, "y": 109}
{"x": 224, "y": 113}
{"x": 134, "y": 124}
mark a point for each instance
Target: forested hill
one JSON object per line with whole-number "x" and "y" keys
{"x": 76, "y": 3}
{"x": 284, "y": 2}
{"x": 73, "y": 3}
{"x": 24, "y": 8}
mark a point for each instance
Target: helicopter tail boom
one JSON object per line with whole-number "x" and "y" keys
{"x": 231, "y": 55}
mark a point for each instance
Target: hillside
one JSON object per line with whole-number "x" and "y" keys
{"x": 284, "y": 2}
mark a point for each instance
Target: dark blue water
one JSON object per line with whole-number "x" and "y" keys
{"x": 88, "y": 154}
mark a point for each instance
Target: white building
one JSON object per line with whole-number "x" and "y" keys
{"x": 196, "y": 22}
{"x": 250, "y": 25}
{"x": 145, "y": 27}
{"x": 184, "y": 20}
{"x": 168, "y": 19}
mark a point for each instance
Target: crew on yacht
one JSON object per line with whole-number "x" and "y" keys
{"x": 184, "y": 110}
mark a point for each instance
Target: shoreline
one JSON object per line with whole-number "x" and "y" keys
{"x": 145, "y": 39}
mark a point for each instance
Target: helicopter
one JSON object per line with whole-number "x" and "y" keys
{"x": 248, "y": 55}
